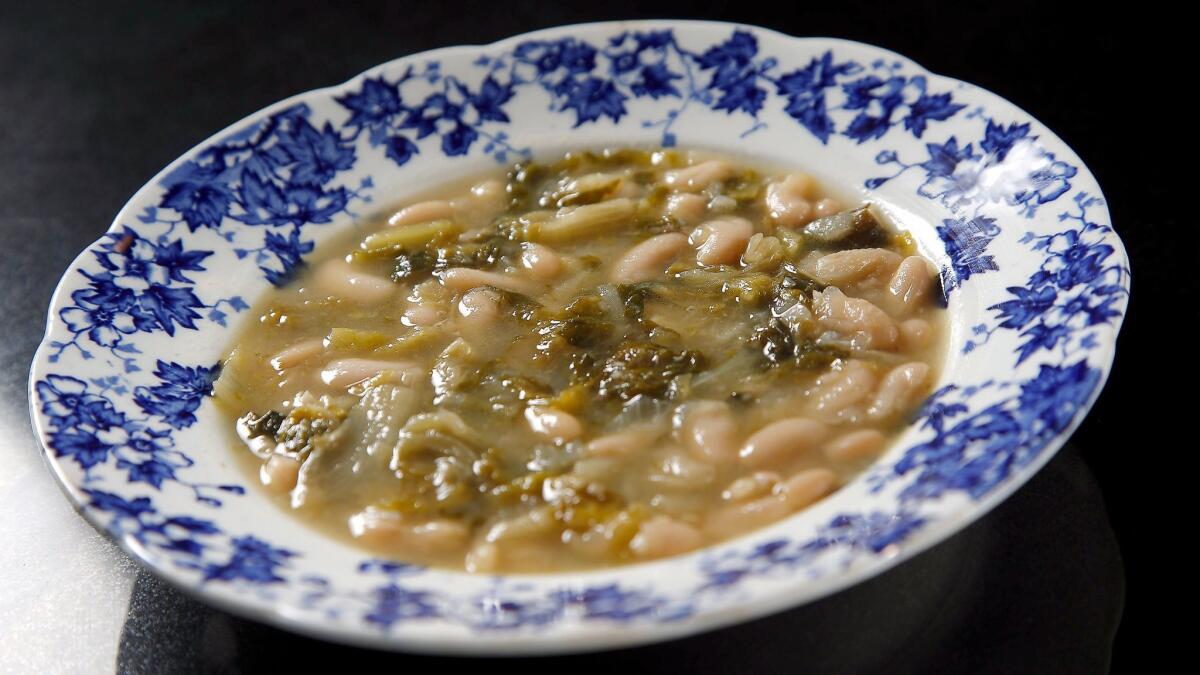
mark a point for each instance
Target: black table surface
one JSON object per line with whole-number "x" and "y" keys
{"x": 95, "y": 98}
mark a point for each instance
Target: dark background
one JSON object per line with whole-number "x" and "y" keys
{"x": 96, "y": 98}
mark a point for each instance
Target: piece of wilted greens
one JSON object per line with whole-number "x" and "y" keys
{"x": 303, "y": 424}
{"x": 412, "y": 263}
{"x": 778, "y": 347}
{"x": 633, "y": 299}
{"x": 854, "y": 228}
{"x": 584, "y": 221}
{"x": 774, "y": 340}
{"x": 265, "y": 425}
{"x": 498, "y": 396}
{"x": 293, "y": 433}
{"x": 790, "y": 277}
{"x": 354, "y": 339}
{"x": 644, "y": 369}
{"x": 583, "y": 324}
{"x": 394, "y": 240}
{"x": 556, "y": 335}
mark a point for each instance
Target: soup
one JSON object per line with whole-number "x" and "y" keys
{"x": 611, "y": 357}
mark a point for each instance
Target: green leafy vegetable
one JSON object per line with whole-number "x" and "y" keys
{"x": 309, "y": 418}
{"x": 410, "y": 264}
{"x": 645, "y": 369}
{"x": 266, "y": 425}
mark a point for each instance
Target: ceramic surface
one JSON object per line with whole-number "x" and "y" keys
{"x": 1036, "y": 282}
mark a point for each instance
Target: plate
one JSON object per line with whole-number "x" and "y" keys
{"x": 1036, "y": 283}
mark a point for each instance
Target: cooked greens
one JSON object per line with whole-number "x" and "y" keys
{"x": 615, "y": 355}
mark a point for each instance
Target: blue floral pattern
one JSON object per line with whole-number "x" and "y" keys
{"x": 1008, "y": 167}
{"x": 255, "y": 196}
{"x": 276, "y": 176}
{"x": 85, "y": 427}
{"x": 592, "y": 83}
{"x": 504, "y": 606}
{"x": 973, "y": 451}
{"x": 1076, "y": 288}
{"x": 846, "y": 533}
{"x": 141, "y": 285}
{"x": 247, "y": 557}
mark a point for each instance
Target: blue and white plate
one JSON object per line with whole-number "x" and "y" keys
{"x": 1037, "y": 284}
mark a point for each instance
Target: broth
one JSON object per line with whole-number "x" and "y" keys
{"x": 611, "y": 357}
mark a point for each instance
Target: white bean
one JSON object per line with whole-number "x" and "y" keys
{"x": 478, "y": 309}
{"x": 699, "y": 235}
{"x": 746, "y": 488}
{"x": 461, "y": 279}
{"x": 807, "y": 487}
{"x": 685, "y": 472}
{"x": 430, "y": 291}
{"x": 900, "y": 390}
{"x": 808, "y": 262}
{"x": 710, "y": 431}
{"x": 345, "y": 372}
{"x": 438, "y": 535}
{"x": 556, "y": 425}
{"x": 741, "y": 518}
{"x": 627, "y": 189}
{"x": 915, "y": 335}
{"x": 523, "y": 555}
{"x": 723, "y": 241}
{"x": 682, "y": 503}
{"x": 649, "y": 258}
{"x": 542, "y": 263}
{"x": 490, "y": 195}
{"x": 698, "y": 176}
{"x": 623, "y": 443}
{"x": 722, "y": 204}
{"x": 838, "y": 394}
{"x": 781, "y": 441}
{"x": 857, "y": 266}
{"x": 279, "y": 473}
{"x": 868, "y": 326}
{"x": 663, "y": 536}
{"x": 338, "y": 278}
{"x": 422, "y": 212}
{"x": 422, "y": 315}
{"x": 687, "y": 209}
{"x": 385, "y": 529}
{"x": 855, "y": 446}
{"x": 297, "y": 353}
{"x": 480, "y": 301}
{"x": 597, "y": 469}
{"x": 791, "y": 495}
{"x": 910, "y": 285}
{"x": 788, "y": 202}
{"x": 483, "y": 558}
{"x": 524, "y": 526}
{"x": 827, "y": 207}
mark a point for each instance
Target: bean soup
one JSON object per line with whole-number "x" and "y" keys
{"x": 614, "y": 356}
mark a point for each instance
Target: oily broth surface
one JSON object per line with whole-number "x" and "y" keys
{"x": 570, "y": 502}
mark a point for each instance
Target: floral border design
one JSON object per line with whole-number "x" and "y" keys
{"x": 592, "y": 83}
{"x": 260, "y": 189}
{"x": 277, "y": 176}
